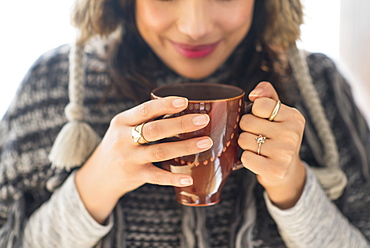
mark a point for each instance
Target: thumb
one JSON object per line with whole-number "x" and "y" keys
{"x": 263, "y": 89}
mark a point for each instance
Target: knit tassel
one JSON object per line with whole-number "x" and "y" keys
{"x": 77, "y": 140}
{"x": 331, "y": 178}
{"x": 74, "y": 144}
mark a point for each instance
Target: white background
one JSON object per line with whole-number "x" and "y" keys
{"x": 29, "y": 28}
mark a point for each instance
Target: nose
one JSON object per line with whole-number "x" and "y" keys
{"x": 195, "y": 19}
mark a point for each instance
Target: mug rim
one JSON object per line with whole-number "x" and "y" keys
{"x": 240, "y": 92}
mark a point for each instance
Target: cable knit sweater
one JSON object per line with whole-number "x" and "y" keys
{"x": 36, "y": 212}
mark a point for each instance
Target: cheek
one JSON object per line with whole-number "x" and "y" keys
{"x": 151, "y": 18}
{"x": 238, "y": 19}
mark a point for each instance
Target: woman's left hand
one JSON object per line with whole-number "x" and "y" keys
{"x": 278, "y": 167}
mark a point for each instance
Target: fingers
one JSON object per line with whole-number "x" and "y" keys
{"x": 160, "y": 129}
{"x": 256, "y": 125}
{"x": 135, "y": 160}
{"x": 154, "y": 175}
{"x": 152, "y": 109}
{"x": 263, "y": 108}
{"x": 263, "y": 89}
{"x": 165, "y": 151}
{"x": 265, "y": 99}
{"x": 282, "y": 137}
{"x": 272, "y": 159}
{"x": 269, "y": 169}
{"x": 276, "y": 155}
{"x": 272, "y": 147}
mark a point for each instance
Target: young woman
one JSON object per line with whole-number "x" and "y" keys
{"x": 308, "y": 185}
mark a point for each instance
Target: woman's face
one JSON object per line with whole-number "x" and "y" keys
{"x": 193, "y": 37}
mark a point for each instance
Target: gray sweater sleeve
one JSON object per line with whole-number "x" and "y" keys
{"x": 315, "y": 221}
{"x": 63, "y": 221}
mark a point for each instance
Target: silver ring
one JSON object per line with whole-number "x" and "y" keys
{"x": 137, "y": 134}
{"x": 275, "y": 111}
{"x": 260, "y": 140}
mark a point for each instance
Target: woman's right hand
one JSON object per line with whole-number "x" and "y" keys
{"x": 119, "y": 165}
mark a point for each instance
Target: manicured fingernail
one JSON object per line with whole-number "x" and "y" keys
{"x": 200, "y": 120}
{"x": 179, "y": 102}
{"x": 186, "y": 181}
{"x": 204, "y": 143}
{"x": 256, "y": 92}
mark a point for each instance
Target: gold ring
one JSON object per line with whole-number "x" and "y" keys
{"x": 275, "y": 111}
{"x": 137, "y": 134}
{"x": 260, "y": 140}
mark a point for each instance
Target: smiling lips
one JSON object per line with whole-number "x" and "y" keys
{"x": 194, "y": 52}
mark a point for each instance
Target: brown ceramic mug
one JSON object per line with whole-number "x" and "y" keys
{"x": 210, "y": 169}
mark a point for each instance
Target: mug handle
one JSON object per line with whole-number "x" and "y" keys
{"x": 247, "y": 109}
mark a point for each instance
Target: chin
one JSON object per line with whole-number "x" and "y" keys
{"x": 197, "y": 76}
{"x": 194, "y": 73}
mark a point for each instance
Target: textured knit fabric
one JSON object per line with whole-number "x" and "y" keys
{"x": 65, "y": 213}
{"x": 151, "y": 215}
{"x": 312, "y": 222}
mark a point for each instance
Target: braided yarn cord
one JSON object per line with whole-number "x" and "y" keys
{"x": 331, "y": 177}
{"x": 77, "y": 140}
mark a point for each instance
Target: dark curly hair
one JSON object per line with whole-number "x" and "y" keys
{"x": 275, "y": 29}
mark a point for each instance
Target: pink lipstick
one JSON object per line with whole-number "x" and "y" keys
{"x": 194, "y": 52}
